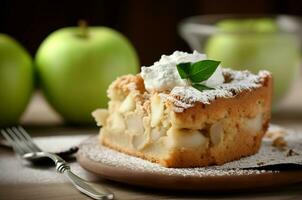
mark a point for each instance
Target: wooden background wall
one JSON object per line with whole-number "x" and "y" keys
{"x": 151, "y": 25}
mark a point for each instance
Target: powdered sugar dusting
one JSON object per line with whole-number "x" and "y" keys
{"x": 184, "y": 97}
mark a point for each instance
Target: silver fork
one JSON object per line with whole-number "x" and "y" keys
{"x": 27, "y": 149}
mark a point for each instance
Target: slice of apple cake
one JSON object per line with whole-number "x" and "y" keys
{"x": 166, "y": 115}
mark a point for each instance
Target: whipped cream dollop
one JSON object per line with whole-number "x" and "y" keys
{"x": 163, "y": 74}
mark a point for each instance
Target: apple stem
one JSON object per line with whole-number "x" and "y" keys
{"x": 83, "y": 28}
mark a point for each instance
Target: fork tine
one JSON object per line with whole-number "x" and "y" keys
{"x": 19, "y": 141}
{"x": 23, "y": 141}
{"x": 18, "y": 149}
{"x": 27, "y": 138}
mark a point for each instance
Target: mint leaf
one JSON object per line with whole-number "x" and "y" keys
{"x": 202, "y": 70}
{"x": 201, "y": 87}
{"x": 198, "y": 72}
{"x": 184, "y": 70}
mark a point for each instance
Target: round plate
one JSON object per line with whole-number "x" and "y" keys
{"x": 123, "y": 168}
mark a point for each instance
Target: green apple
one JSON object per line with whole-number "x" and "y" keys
{"x": 16, "y": 80}
{"x": 77, "y": 64}
{"x": 256, "y": 44}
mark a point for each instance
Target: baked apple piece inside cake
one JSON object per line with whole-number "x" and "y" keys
{"x": 161, "y": 117}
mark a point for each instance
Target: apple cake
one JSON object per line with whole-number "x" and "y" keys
{"x": 157, "y": 116}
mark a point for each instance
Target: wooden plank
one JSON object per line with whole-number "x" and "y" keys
{"x": 65, "y": 191}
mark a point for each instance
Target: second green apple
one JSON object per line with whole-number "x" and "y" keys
{"x": 257, "y": 44}
{"x": 77, "y": 64}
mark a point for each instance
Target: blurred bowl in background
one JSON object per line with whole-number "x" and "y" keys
{"x": 251, "y": 42}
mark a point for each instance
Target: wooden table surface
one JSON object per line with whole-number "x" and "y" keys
{"x": 20, "y": 181}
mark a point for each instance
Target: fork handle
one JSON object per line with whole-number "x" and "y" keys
{"x": 82, "y": 185}
{"x": 87, "y": 188}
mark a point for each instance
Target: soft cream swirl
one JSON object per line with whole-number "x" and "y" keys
{"x": 163, "y": 74}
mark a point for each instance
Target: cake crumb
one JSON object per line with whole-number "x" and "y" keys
{"x": 280, "y": 143}
{"x": 275, "y": 133}
{"x": 291, "y": 152}
{"x": 260, "y": 163}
